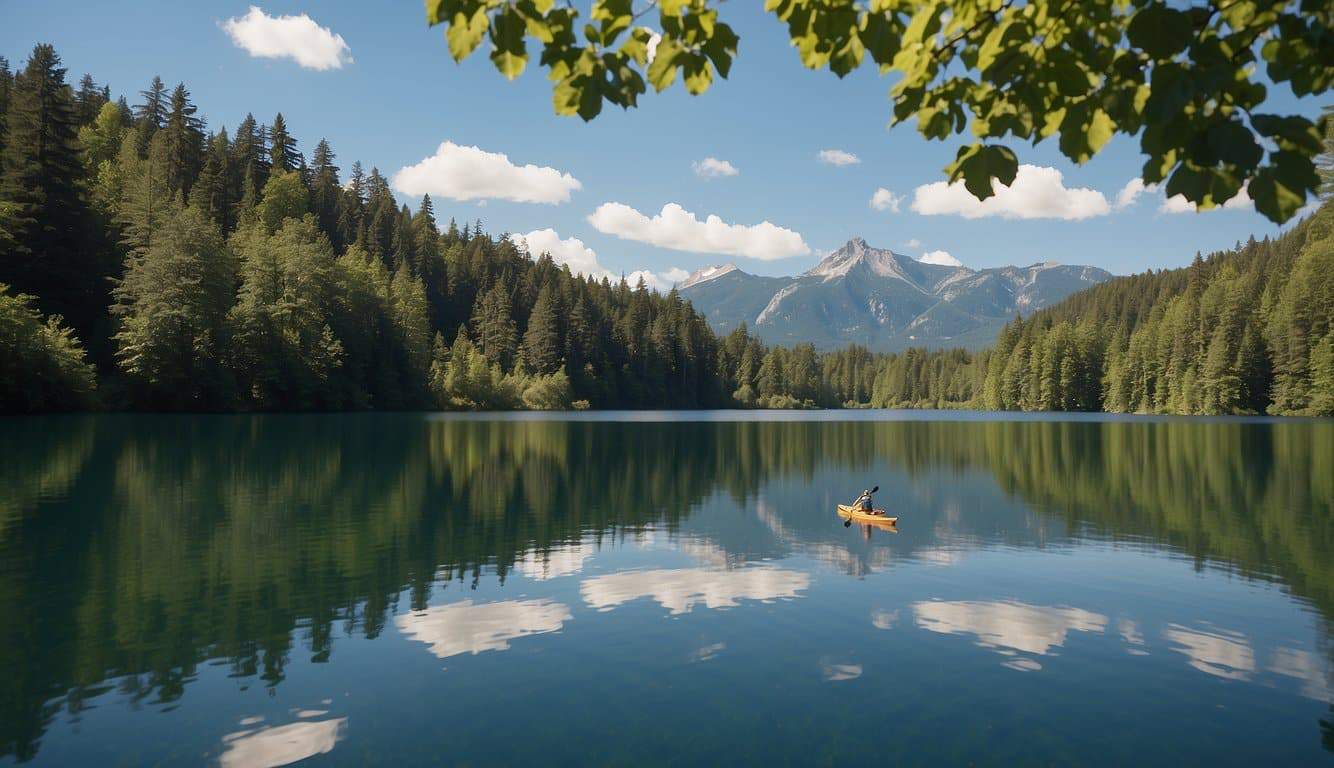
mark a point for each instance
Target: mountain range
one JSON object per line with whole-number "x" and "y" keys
{"x": 881, "y": 299}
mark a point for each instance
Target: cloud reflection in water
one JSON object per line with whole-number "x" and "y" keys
{"x": 465, "y": 627}
{"x": 282, "y": 745}
{"x": 678, "y": 590}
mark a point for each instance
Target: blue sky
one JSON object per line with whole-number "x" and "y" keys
{"x": 400, "y": 96}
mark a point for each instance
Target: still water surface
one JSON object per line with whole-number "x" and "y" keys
{"x": 641, "y": 588}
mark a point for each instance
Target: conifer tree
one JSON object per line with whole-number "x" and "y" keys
{"x": 209, "y": 192}
{"x": 283, "y": 154}
{"x": 146, "y": 202}
{"x": 184, "y": 134}
{"x": 47, "y": 251}
{"x": 173, "y": 303}
{"x": 542, "y": 345}
{"x": 493, "y": 325}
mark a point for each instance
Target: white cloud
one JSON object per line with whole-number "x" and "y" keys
{"x": 293, "y": 37}
{"x": 572, "y": 251}
{"x": 470, "y": 173}
{"x": 884, "y": 200}
{"x": 1178, "y": 204}
{"x": 654, "y": 38}
{"x": 1131, "y": 192}
{"x": 676, "y": 274}
{"x": 678, "y": 229}
{"x": 712, "y": 168}
{"x": 838, "y": 157}
{"x": 943, "y": 258}
{"x": 584, "y": 260}
{"x": 1036, "y": 193}
{"x": 913, "y": 243}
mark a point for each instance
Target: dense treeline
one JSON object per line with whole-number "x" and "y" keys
{"x": 217, "y": 270}
{"x": 148, "y": 263}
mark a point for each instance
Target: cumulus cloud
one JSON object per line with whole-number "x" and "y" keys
{"x": 838, "y": 157}
{"x": 471, "y": 173}
{"x": 884, "y": 200}
{"x": 1036, "y": 193}
{"x": 1179, "y": 204}
{"x": 913, "y": 243}
{"x": 288, "y": 37}
{"x": 712, "y": 168}
{"x": 942, "y": 258}
{"x": 1130, "y": 193}
{"x": 584, "y": 260}
{"x": 678, "y": 229}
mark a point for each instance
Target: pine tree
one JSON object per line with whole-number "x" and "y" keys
{"x": 209, "y": 194}
{"x": 325, "y": 191}
{"x": 542, "y": 344}
{"x": 283, "y": 154}
{"x": 184, "y": 142}
{"x": 150, "y": 115}
{"x": 88, "y": 100}
{"x": 47, "y": 251}
{"x": 147, "y": 202}
{"x": 493, "y": 325}
{"x": 6, "y": 88}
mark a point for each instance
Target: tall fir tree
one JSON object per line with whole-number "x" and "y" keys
{"x": 184, "y": 133}
{"x": 542, "y": 345}
{"x": 47, "y": 251}
{"x": 283, "y": 154}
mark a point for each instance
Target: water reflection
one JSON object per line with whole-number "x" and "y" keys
{"x": 1214, "y": 651}
{"x": 135, "y": 551}
{"x": 679, "y": 590}
{"x": 281, "y": 745}
{"x": 464, "y": 627}
{"x": 1015, "y": 626}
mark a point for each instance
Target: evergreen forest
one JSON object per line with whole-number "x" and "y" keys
{"x": 149, "y": 262}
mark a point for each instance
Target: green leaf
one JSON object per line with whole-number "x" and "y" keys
{"x": 978, "y": 164}
{"x": 1160, "y": 31}
{"x": 465, "y": 32}
{"x": 510, "y": 53}
{"x": 662, "y": 72}
{"x": 1291, "y": 132}
{"x": 1279, "y": 189}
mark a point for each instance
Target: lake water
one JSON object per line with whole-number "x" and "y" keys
{"x": 665, "y": 588}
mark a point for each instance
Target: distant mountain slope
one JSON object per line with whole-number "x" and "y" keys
{"x": 881, "y": 299}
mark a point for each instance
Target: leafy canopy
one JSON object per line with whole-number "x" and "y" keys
{"x": 1184, "y": 77}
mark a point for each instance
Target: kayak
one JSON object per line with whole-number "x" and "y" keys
{"x": 863, "y": 517}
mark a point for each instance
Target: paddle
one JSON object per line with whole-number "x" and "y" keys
{"x": 848, "y": 523}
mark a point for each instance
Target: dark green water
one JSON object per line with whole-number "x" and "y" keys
{"x": 408, "y": 589}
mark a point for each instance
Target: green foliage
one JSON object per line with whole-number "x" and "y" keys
{"x": 173, "y": 304}
{"x": 1186, "y": 81}
{"x": 42, "y": 365}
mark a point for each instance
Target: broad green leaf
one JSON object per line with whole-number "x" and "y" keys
{"x": 978, "y": 164}
{"x": 662, "y": 72}
{"x": 1160, "y": 31}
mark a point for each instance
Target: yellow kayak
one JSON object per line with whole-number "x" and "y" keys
{"x": 878, "y": 516}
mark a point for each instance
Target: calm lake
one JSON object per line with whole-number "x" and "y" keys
{"x": 665, "y": 588}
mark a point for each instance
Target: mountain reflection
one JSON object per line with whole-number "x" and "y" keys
{"x": 139, "y": 548}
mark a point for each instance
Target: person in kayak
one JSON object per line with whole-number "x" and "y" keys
{"x": 864, "y": 503}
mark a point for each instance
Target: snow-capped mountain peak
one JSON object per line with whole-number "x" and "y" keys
{"x": 706, "y": 274}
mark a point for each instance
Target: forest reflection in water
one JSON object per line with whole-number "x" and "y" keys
{"x": 138, "y": 549}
